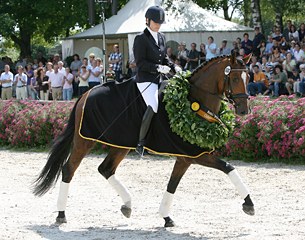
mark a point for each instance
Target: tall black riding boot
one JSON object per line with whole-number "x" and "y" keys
{"x": 146, "y": 120}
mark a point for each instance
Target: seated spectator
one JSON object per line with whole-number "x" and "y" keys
{"x": 110, "y": 74}
{"x": 247, "y": 44}
{"x": 202, "y": 53}
{"x": 276, "y": 56}
{"x": 210, "y": 48}
{"x": 292, "y": 84}
{"x": 289, "y": 64}
{"x": 302, "y": 80}
{"x": 293, "y": 33}
{"x": 278, "y": 81}
{"x": 299, "y": 54}
{"x": 259, "y": 84}
{"x": 264, "y": 63}
{"x": 262, "y": 50}
{"x": 254, "y": 62}
{"x": 269, "y": 46}
{"x": 302, "y": 33}
{"x": 224, "y": 50}
{"x": 192, "y": 58}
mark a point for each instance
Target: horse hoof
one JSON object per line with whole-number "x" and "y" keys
{"x": 248, "y": 209}
{"x": 126, "y": 211}
{"x": 61, "y": 220}
{"x": 169, "y": 222}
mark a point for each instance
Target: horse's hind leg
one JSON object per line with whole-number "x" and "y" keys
{"x": 180, "y": 168}
{"x": 214, "y": 162}
{"x": 108, "y": 168}
{"x": 80, "y": 148}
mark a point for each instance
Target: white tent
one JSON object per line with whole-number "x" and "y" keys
{"x": 185, "y": 21}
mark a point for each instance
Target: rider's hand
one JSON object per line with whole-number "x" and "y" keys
{"x": 163, "y": 69}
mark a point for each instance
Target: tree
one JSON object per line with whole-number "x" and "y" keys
{"x": 22, "y": 19}
{"x": 256, "y": 13}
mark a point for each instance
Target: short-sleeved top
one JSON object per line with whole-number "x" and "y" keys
{"x": 93, "y": 78}
{"x": 258, "y": 77}
{"x": 70, "y": 77}
{"x": 5, "y": 76}
{"x": 23, "y": 78}
{"x": 208, "y": 49}
{"x": 116, "y": 66}
{"x": 56, "y": 79}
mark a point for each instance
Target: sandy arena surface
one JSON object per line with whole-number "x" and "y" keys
{"x": 206, "y": 205}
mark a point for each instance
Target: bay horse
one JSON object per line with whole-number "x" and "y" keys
{"x": 219, "y": 78}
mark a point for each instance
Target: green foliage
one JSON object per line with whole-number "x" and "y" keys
{"x": 187, "y": 124}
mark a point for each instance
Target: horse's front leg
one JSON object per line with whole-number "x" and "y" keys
{"x": 214, "y": 162}
{"x": 179, "y": 169}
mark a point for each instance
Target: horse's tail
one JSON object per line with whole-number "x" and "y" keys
{"x": 58, "y": 155}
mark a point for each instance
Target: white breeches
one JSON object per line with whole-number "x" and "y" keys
{"x": 149, "y": 93}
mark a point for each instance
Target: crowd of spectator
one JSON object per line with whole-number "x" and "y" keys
{"x": 277, "y": 67}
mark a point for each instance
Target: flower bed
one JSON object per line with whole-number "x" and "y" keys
{"x": 274, "y": 129}
{"x": 32, "y": 123}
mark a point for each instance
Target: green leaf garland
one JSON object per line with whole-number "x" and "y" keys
{"x": 187, "y": 124}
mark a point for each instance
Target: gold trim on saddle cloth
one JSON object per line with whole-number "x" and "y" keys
{"x": 130, "y": 148}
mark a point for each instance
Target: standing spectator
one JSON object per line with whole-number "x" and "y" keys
{"x": 279, "y": 81}
{"x": 210, "y": 48}
{"x": 259, "y": 84}
{"x": 302, "y": 33}
{"x": 49, "y": 69}
{"x": 95, "y": 72}
{"x": 6, "y": 80}
{"x": 56, "y": 58}
{"x": 238, "y": 41}
{"x": 193, "y": 58}
{"x": 182, "y": 55}
{"x": 293, "y": 82}
{"x": 75, "y": 67}
{"x": 258, "y": 39}
{"x": 202, "y": 56}
{"x": 293, "y": 33}
{"x": 287, "y": 30}
{"x": 29, "y": 73}
{"x": 83, "y": 80}
{"x": 61, "y": 68}
{"x": 56, "y": 80}
{"x": 110, "y": 74}
{"x": 116, "y": 60}
{"x": 68, "y": 87}
{"x": 224, "y": 50}
{"x": 91, "y": 58}
{"x": 247, "y": 44}
{"x": 235, "y": 49}
{"x": 20, "y": 81}
{"x": 43, "y": 84}
{"x": 99, "y": 63}
{"x": 34, "y": 86}
{"x": 40, "y": 58}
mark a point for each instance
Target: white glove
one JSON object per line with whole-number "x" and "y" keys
{"x": 163, "y": 69}
{"x": 178, "y": 69}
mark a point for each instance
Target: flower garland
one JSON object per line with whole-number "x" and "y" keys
{"x": 187, "y": 124}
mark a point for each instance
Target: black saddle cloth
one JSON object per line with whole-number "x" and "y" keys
{"x": 113, "y": 114}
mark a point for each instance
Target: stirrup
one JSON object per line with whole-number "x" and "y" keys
{"x": 140, "y": 150}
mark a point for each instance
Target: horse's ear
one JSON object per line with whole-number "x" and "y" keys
{"x": 233, "y": 58}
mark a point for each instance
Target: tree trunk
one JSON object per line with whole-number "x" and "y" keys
{"x": 247, "y": 13}
{"x": 24, "y": 42}
{"x": 256, "y": 14}
{"x": 225, "y": 9}
{"x": 114, "y": 7}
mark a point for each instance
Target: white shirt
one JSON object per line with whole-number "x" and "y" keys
{"x": 6, "y": 76}
{"x": 154, "y": 34}
{"x": 20, "y": 79}
{"x": 62, "y": 71}
{"x": 93, "y": 78}
{"x": 56, "y": 79}
{"x": 299, "y": 56}
{"x": 49, "y": 72}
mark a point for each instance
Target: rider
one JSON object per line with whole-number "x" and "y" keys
{"x": 152, "y": 61}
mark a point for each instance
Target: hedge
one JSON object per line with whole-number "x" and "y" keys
{"x": 274, "y": 128}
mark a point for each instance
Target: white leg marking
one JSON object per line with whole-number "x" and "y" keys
{"x": 166, "y": 204}
{"x": 121, "y": 190}
{"x": 63, "y": 196}
{"x": 238, "y": 183}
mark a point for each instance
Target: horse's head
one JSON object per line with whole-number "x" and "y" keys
{"x": 222, "y": 76}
